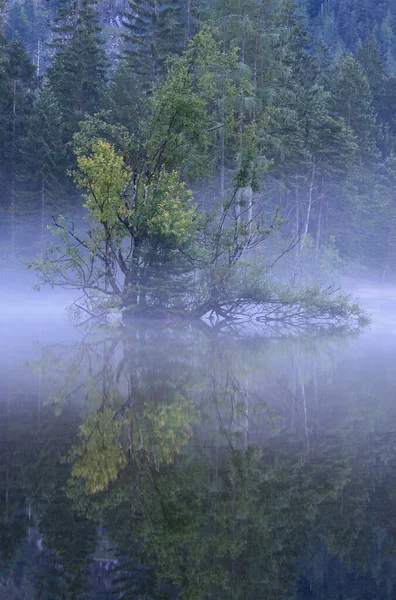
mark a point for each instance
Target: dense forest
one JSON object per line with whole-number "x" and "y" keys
{"x": 293, "y": 112}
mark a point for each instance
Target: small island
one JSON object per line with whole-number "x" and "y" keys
{"x": 147, "y": 246}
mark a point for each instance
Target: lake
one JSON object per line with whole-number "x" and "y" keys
{"x": 163, "y": 461}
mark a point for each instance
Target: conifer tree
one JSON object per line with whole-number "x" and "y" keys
{"x": 4, "y": 112}
{"x": 369, "y": 56}
{"x": 17, "y": 81}
{"x": 78, "y": 72}
{"x": 354, "y": 102}
{"x": 44, "y": 154}
{"x": 154, "y": 30}
{"x": 387, "y": 39}
{"x": 28, "y": 22}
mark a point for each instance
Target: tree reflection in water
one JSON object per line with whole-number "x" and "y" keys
{"x": 172, "y": 463}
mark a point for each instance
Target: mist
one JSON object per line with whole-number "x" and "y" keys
{"x": 197, "y": 300}
{"x": 198, "y": 404}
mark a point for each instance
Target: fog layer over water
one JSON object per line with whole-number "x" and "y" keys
{"x": 163, "y": 461}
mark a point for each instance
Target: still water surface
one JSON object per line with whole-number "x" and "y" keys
{"x": 166, "y": 462}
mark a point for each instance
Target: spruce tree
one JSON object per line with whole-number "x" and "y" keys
{"x": 126, "y": 97}
{"x": 28, "y": 22}
{"x": 154, "y": 30}
{"x": 5, "y": 87}
{"x": 78, "y": 73}
{"x": 369, "y": 56}
{"x": 17, "y": 83}
{"x": 44, "y": 154}
{"x": 387, "y": 40}
{"x": 354, "y": 102}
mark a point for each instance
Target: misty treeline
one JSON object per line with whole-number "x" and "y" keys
{"x": 273, "y": 112}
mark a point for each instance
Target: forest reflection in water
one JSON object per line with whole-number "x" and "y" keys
{"x": 166, "y": 462}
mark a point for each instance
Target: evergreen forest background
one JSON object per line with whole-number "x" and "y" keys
{"x": 322, "y": 87}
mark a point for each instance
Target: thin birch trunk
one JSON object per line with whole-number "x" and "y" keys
{"x": 38, "y": 58}
{"x": 297, "y": 213}
{"x": 326, "y": 223}
{"x": 318, "y": 233}
{"x": 309, "y": 208}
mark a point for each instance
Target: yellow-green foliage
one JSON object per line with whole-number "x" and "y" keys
{"x": 105, "y": 177}
{"x": 163, "y": 213}
{"x": 109, "y": 437}
{"x": 168, "y": 211}
{"x": 168, "y": 428}
{"x": 99, "y": 457}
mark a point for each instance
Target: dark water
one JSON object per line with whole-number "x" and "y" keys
{"x": 165, "y": 462}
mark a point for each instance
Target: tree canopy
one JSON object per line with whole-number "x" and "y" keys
{"x": 242, "y": 109}
{"x": 148, "y": 244}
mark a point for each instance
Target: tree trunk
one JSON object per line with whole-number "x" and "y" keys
{"x": 294, "y": 394}
{"x": 316, "y": 395}
{"x": 304, "y": 401}
{"x": 309, "y": 208}
{"x": 38, "y": 58}
{"x": 243, "y": 33}
{"x": 7, "y": 473}
{"x": 318, "y": 233}
{"x": 297, "y": 213}
{"x": 222, "y": 150}
{"x": 326, "y": 223}
{"x": 42, "y": 210}
{"x": 256, "y": 53}
{"x": 222, "y": 165}
{"x": 188, "y": 20}
{"x": 246, "y": 398}
{"x": 12, "y": 200}
{"x": 244, "y": 205}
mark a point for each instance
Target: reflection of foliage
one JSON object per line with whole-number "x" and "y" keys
{"x": 223, "y": 524}
{"x": 168, "y": 428}
{"x": 128, "y": 415}
{"x": 181, "y": 470}
{"x": 108, "y": 438}
{"x": 99, "y": 457}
